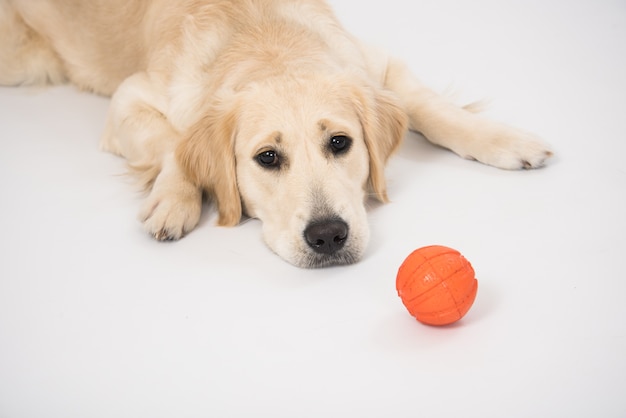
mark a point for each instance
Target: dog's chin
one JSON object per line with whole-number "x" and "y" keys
{"x": 313, "y": 260}
{"x": 307, "y": 258}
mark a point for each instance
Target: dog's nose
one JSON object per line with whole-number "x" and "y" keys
{"x": 327, "y": 236}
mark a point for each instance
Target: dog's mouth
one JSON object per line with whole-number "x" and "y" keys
{"x": 321, "y": 241}
{"x": 316, "y": 260}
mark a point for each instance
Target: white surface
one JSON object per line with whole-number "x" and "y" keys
{"x": 98, "y": 320}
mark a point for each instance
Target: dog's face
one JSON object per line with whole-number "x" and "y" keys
{"x": 302, "y": 169}
{"x": 305, "y": 155}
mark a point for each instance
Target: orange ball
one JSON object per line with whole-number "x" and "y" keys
{"x": 437, "y": 285}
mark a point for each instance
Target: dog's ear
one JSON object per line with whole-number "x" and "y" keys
{"x": 384, "y": 126}
{"x": 207, "y": 155}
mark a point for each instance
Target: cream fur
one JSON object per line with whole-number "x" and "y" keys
{"x": 201, "y": 88}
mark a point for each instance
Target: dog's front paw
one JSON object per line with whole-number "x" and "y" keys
{"x": 169, "y": 217}
{"x": 509, "y": 148}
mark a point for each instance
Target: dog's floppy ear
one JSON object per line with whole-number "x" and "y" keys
{"x": 207, "y": 155}
{"x": 384, "y": 126}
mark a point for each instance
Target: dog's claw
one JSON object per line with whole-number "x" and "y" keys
{"x": 163, "y": 235}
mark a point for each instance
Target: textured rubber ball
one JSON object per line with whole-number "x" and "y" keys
{"x": 437, "y": 285}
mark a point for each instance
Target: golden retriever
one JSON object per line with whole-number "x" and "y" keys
{"x": 267, "y": 106}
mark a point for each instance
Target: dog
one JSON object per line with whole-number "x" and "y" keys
{"x": 269, "y": 107}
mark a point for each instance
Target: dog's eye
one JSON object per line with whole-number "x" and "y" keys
{"x": 268, "y": 159}
{"x": 340, "y": 144}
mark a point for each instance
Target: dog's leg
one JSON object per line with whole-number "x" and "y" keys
{"x": 174, "y": 204}
{"x": 138, "y": 130}
{"x": 469, "y": 135}
{"x": 25, "y": 56}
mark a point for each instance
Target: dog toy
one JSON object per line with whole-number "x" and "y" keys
{"x": 437, "y": 285}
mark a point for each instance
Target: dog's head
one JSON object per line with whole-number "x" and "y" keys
{"x": 301, "y": 155}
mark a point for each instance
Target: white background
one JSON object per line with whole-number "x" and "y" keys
{"x": 99, "y": 320}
